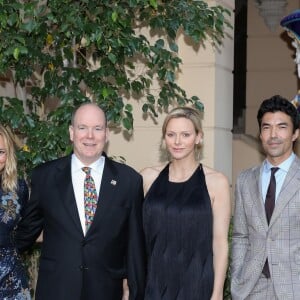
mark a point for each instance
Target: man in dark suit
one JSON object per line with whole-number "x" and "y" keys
{"x": 80, "y": 260}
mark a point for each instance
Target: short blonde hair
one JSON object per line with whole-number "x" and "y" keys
{"x": 188, "y": 113}
{"x": 9, "y": 177}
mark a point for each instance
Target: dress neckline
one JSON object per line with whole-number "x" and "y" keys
{"x": 187, "y": 179}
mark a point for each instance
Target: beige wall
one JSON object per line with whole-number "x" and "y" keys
{"x": 270, "y": 70}
{"x": 270, "y": 66}
{"x": 206, "y": 73}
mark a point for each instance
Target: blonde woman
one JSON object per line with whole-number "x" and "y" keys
{"x": 186, "y": 217}
{"x": 13, "y": 196}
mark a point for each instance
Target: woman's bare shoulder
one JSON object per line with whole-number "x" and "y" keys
{"x": 149, "y": 175}
{"x": 210, "y": 172}
{"x": 219, "y": 191}
{"x": 215, "y": 178}
{"x": 150, "y": 172}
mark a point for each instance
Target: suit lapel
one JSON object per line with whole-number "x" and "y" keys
{"x": 289, "y": 188}
{"x": 66, "y": 191}
{"x": 256, "y": 194}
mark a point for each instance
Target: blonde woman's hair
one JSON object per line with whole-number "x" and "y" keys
{"x": 188, "y": 113}
{"x": 9, "y": 177}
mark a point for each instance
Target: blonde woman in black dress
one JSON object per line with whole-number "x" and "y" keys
{"x": 186, "y": 217}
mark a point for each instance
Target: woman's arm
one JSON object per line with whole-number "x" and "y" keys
{"x": 219, "y": 191}
{"x": 125, "y": 295}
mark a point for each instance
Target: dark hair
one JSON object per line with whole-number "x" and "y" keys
{"x": 278, "y": 103}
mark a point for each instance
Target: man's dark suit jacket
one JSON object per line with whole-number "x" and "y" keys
{"x": 74, "y": 266}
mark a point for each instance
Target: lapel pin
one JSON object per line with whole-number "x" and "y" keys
{"x": 113, "y": 182}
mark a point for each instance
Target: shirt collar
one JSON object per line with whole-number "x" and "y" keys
{"x": 77, "y": 165}
{"x": 284, "y": 166}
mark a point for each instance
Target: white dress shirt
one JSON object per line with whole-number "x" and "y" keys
{"x": 279, "y": 175}
{"x": 78, "y": 177}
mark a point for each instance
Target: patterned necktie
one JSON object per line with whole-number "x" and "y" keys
{"x": 269, "y": 207}
{"x": 90, "y": 197}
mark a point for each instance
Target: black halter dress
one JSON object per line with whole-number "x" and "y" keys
{"x": 178, "y": 229}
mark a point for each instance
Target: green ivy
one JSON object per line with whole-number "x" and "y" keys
{"x": 59, "y": 53}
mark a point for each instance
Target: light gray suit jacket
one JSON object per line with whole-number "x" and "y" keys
{"x": 253, "y": 240}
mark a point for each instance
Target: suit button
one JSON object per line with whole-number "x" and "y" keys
{"x": 83, "y": 243}
{"x": 82, "y": 268}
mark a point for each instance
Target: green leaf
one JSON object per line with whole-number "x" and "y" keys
{"x": 114, "y": 16}
{"x": 30, "y": 121}
{"x": 127, "y": 123}
{"x": 145, "y": 107}
{"x": 199, "y": 105}
{"x": 112, "y": 57}
{"x": 29, "y": 26}
{"x": 153, "y": 3}
{"x": 105, "y": 93}
{"x": 151, "y": 99}
{"x": 160, "y": 43}
{"x": 12, "y": 20}
{"x": 129, "y": 108}
{"x": 77, "y": 51}
{"x": 170, "y": 76}
{"x": 23, "y": 50}
{"x": 174, "y": 47}
{"x": 16, "y": 53}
